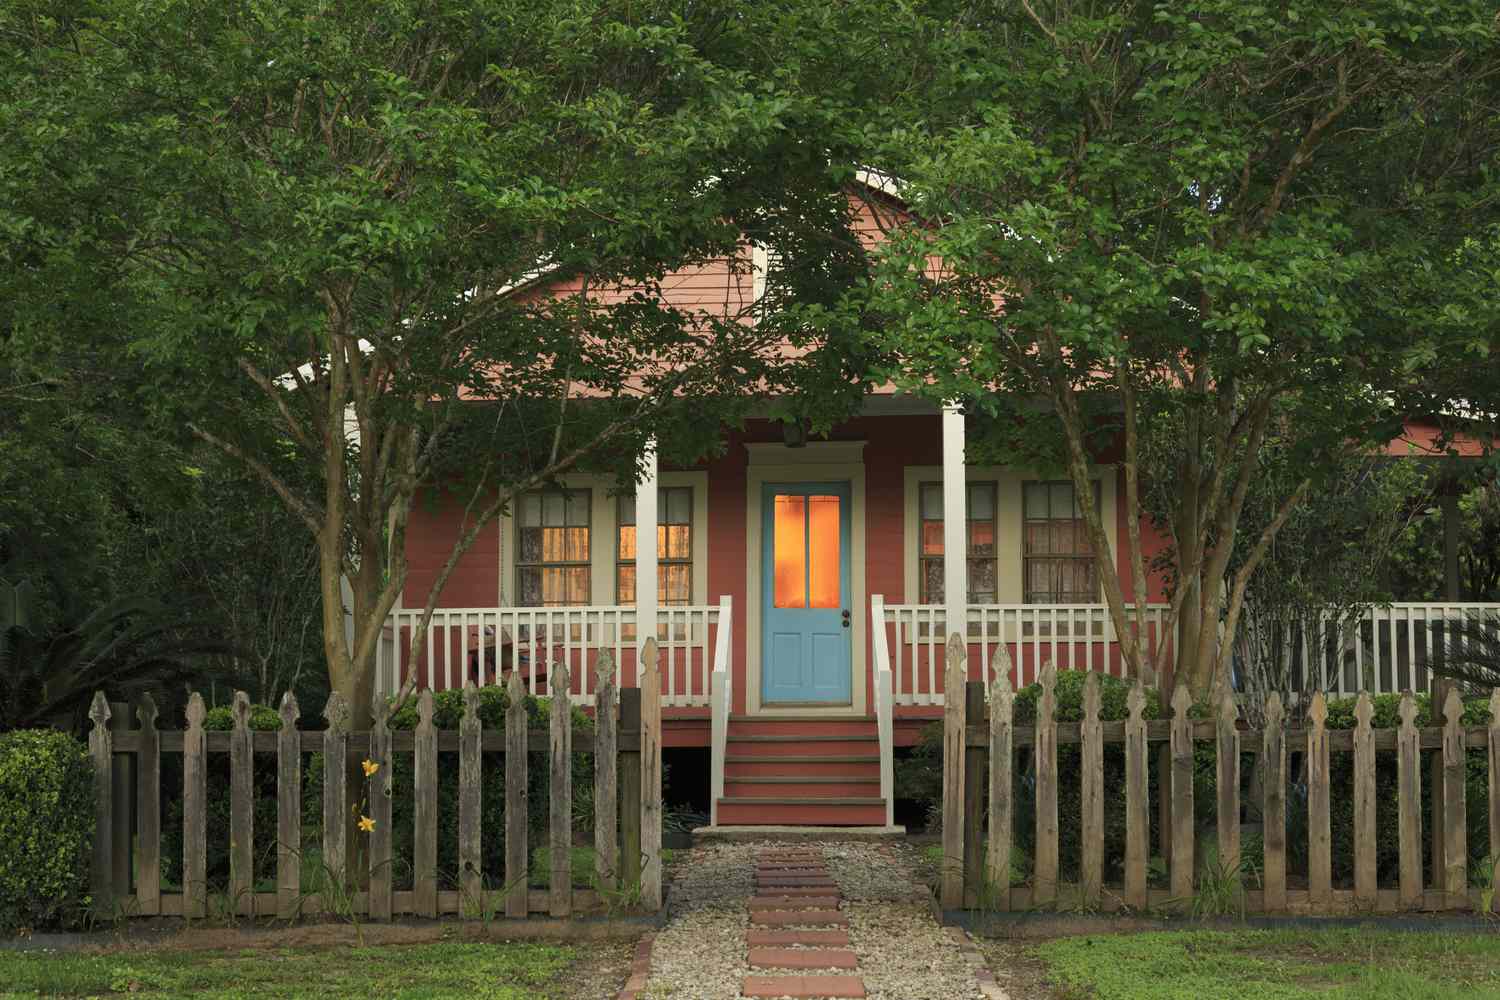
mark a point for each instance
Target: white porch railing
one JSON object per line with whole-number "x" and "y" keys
{"x": 1073, "y": 636}
{"x": 721, "y": 693}
{"x": 884, "y": 704}
{"x": 1382, "y": 649}
{"x": 485, "y": 644}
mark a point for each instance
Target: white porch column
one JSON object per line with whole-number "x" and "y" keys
{"x": 645, "y": 547}
{"x": 955, "y": 524}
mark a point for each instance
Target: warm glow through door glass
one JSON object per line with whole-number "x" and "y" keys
{"x": 789, "y": 548}
{"x": 823, "y": 552}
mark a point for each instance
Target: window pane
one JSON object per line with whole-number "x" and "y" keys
{"x": 553, "y": 506}
{"x": 576, "y": 544}
{"x": 789, "y": 551}
{"x": 625, "y": 584}
{"x": 981, "y": 538}
{"x": 674, "y": 583}
{"x": 578, "y": 507}
{"x": 627, "y": 542}
{"x": 932, "y": 501}
{"x": 529, "y": 544}
{"x": 673, "y": 541}
{"x": 530, "y": 513}
{"x": 932, "y": 581}
{"x": 529, "y": 586}
{"x": 932, "y": 538}
{"x": 982, "y": 581}
{"x": 627, "y": 508}
{"x": 1061, "y": 504}
{"x": 1038, "y": 538}
{"x": 679, "y": 505}
{"x": 981, "y": 501}
{"x": 823, "y": 545}
{"x": 1036, "y": 500}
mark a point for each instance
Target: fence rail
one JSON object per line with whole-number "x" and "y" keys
{"x": 358, "y": 877}
{"x": 988, "y": 746}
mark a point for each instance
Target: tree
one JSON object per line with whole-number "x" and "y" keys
{"x": 348, "y": 205}
{"x": 1206, "y": 213}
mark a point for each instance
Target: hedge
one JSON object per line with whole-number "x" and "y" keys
{"x": 46, "y": 828}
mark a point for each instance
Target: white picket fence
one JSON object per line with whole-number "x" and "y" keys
{"x": 484, "y": 645}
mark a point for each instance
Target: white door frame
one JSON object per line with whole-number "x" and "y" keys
{"x": 817, "y": 461}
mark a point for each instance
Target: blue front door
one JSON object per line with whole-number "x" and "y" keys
{"x": 805, "y": 597}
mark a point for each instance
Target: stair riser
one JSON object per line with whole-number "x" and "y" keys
{"x": 803, "y": 814}
{"x": 853, "y": 728}
{"x": 772, "y": 768}
{"x": 801, "y": 790}
{"x": 800, "y": 748}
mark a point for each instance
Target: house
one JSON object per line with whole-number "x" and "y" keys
{"x": 798, "y": 588}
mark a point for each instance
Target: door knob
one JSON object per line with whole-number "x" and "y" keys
{"x": 846, "y": 618}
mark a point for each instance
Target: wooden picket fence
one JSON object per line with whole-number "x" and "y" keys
{"x": 627, "y": 765}
{"x": 980, "y": 756}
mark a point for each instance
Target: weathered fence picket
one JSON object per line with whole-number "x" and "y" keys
{"x": 1273, "y": 806}
{"x": 335, "y": 799}
{"x": 1091, "y": 838}
{"x": 516, "y": 799}
{"x": 194, "y": 811}
{"x": 470, "y": 764}
{"x": 1364, "y": 804}
{"x": 649, "y": 669}
{"x": 241, "y": 808}
{"x": 1182, "y": 797}
{"x": 378, "y": 788}
{"x": 148, "y": 809}
{"x": 560, "y": 830}
{"x": 1137, "y": 800}
{"x": 1228, "y": 787}
{"x": 956, "y": 668}
{"x": 1045, "y": 890}
{"x": 1409, "y": 803}
{"x": 974, "y": 771}
{"x": 425, "y": 811}
{"x": 1455, "y": 878}
{"x": 606, "y": 752}
{"x": 1002, "y": 812}
{"x": 101, "y": 750}
{"x": 1319, "y": 814}
{"x": 288, "y": 809}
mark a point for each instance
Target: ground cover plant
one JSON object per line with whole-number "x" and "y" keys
{"x": 1364, "y": 962}
{"x": 500, "y": 971}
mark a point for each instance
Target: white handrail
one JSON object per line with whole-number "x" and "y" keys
{"x": 884, "y": 698}
{"x": 720, "y": 692}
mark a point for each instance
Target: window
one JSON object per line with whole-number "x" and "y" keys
{"x": 553, "y": 548}
{"x": 674, "y": 547}
{"x": 981, "y": 543}
{"x": 1057, "y": 562}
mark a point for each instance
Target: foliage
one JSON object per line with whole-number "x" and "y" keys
{"x": 126, "y": 646}
{"x": 1347, "y": 962}
{"x": 449, "y": 970}
{"x": 1415, "y": 572}
{"x": 46, "y": 828}
{"x": 1209, "y": 211}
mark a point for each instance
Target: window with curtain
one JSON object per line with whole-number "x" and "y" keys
{"x": 1057, "y": 563}
{"x": 553, "y": 548}
{"x": 979, "y": 537}
{"x": 674, "y": 547}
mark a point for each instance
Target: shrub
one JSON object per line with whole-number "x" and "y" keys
{"x": 46, "y": 828}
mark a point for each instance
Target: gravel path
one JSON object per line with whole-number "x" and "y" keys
{"x": 903, "y": 954}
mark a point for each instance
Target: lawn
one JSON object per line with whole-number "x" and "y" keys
{"x": 463, "y": 971}
{"x": 1332, "y": 964}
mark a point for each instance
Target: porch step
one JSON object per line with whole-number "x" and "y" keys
{"x": 804, "y": 726}
{"x": 844, "y": 766}
{"x": 801, "y": 746}
{"x": 800, "y": 786}
{"x": 801, "y": 811}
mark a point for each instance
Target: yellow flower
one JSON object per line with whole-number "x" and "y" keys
{"x": 370, "y": 768}
{"x": 366, "y": 824}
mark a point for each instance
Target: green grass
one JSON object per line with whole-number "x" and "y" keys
{"x": 1363, "y": 962}
{"x": 504, "y": 971}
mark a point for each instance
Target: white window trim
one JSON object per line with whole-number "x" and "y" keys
{"x": 604, "y": 536}
{"x": 1009, "y": 532}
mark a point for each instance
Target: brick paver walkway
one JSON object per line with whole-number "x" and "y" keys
{"x": 796, "y": 941}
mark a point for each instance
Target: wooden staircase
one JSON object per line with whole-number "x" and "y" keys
{"x": 801, "y": 771}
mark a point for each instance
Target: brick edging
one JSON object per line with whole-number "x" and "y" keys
{"x": 640, "y": 970}
{"x": 983, "y": 977}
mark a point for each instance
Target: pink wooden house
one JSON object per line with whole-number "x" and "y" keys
{"x": 800, "y": 589}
